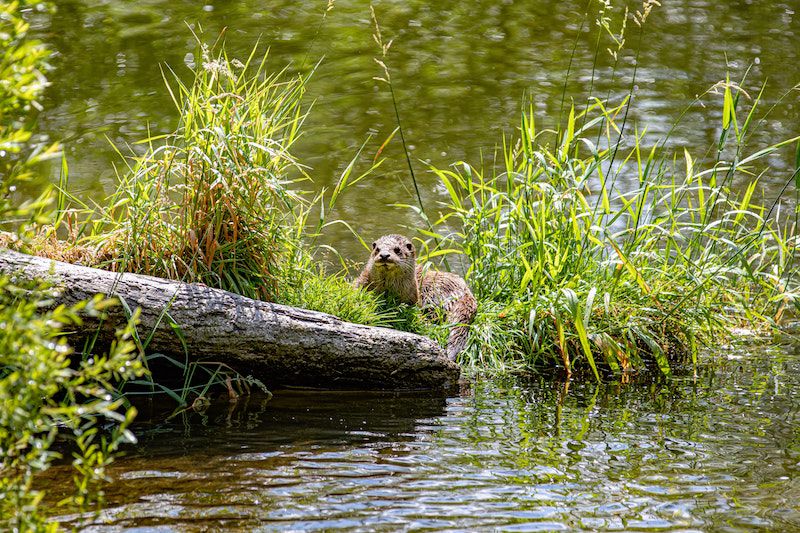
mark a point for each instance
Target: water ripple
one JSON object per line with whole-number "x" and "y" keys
{"x": 520, "y": 456}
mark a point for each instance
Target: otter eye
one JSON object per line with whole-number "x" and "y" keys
{"x": 397, "y": 250}
{"x": 409, "y": 246}
{"x": 374, "y": 244}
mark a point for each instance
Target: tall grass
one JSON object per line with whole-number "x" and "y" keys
{"x": 572, "y": 271}
{"x": 571, "y": 268}
{"x": 219, "y": 201}
{"x": 215, "y": 201}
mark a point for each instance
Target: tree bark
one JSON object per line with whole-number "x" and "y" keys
{"x": 277, "y": 344}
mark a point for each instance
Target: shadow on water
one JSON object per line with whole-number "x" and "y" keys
{"x": 292, "y": 417}
{"x": 721, "y": 451}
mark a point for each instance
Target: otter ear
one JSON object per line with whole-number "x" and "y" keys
{"x": 374, "y": 244}
{"x": 410, "y": 247}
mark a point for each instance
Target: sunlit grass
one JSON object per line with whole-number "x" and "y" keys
{"x": 214, "y": 202}
{"x": 588, "y": 248}
{"x": 220, "y": 200}
{"x": 573, "y": 271}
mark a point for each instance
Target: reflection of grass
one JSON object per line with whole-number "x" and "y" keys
{"x": 571, "y": 271}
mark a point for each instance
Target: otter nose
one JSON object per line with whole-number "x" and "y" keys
{"x": 384, "y": 257}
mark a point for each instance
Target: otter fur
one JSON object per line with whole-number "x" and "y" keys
{"x": 392, "y": 269}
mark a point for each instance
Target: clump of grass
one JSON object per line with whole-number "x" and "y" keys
{"x": 218, "y": 200}
{"x": 335, "y": 295}
{"x": 214, "y": 202}
{"x": 572, "y": 271}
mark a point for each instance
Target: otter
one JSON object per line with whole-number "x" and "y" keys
{"x": 392, "y": 269}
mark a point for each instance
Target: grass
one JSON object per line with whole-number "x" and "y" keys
{"x": 572, "y": 271}
{"x": 215, "y": 201}
{"x": 219, "y": 201}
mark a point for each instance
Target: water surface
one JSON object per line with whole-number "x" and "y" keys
{"x": 461, "y": 72}
{"x": 716, "y": 453}
{"x": 720, "y": 452}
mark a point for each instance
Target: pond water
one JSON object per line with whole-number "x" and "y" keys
{"x": 717, "y": 453}
{"x": 461, "y": 72}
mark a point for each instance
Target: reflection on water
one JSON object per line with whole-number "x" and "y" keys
{"x": 460, "y": 71}
{"x": 721, "y": 452}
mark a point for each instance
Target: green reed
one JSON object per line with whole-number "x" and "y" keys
{"x": 214, "y": 201}
{"x": 573, "y": 270}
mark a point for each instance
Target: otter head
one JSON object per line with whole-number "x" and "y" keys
{"x": 394, "y": 251}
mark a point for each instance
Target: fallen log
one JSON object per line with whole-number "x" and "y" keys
{"x": 277, "y": 344}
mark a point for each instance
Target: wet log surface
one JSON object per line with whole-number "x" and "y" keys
{"x": 277, "y": 344}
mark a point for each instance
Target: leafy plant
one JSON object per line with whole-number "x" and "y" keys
{"x": 23, "y": 63}
{"x": 46, "y": 390}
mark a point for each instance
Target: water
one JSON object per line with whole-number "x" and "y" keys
{"x": 461, "y": 71}
{"x": 720, "y": 452}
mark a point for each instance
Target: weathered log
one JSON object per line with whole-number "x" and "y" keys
{"x": 278, "y": 344}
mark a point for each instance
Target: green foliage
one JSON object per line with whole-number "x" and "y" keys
{"x": 45, "y": 392}
{"x": 200, "y": 379}
{"x": 334, "y": 295}
{"x": 45, "y": 389}
{"x": 411, "y": 318}
{"x": 572, "y": 271}
{"x": 216, "y": 201}
{"x": 22, "y": 65}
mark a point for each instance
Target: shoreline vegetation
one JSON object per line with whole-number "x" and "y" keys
{"x": 48, "y": 390}
{"x": 572, "y": 271}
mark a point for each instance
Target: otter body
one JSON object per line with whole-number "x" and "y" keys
{"x": 392, "y": 269}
